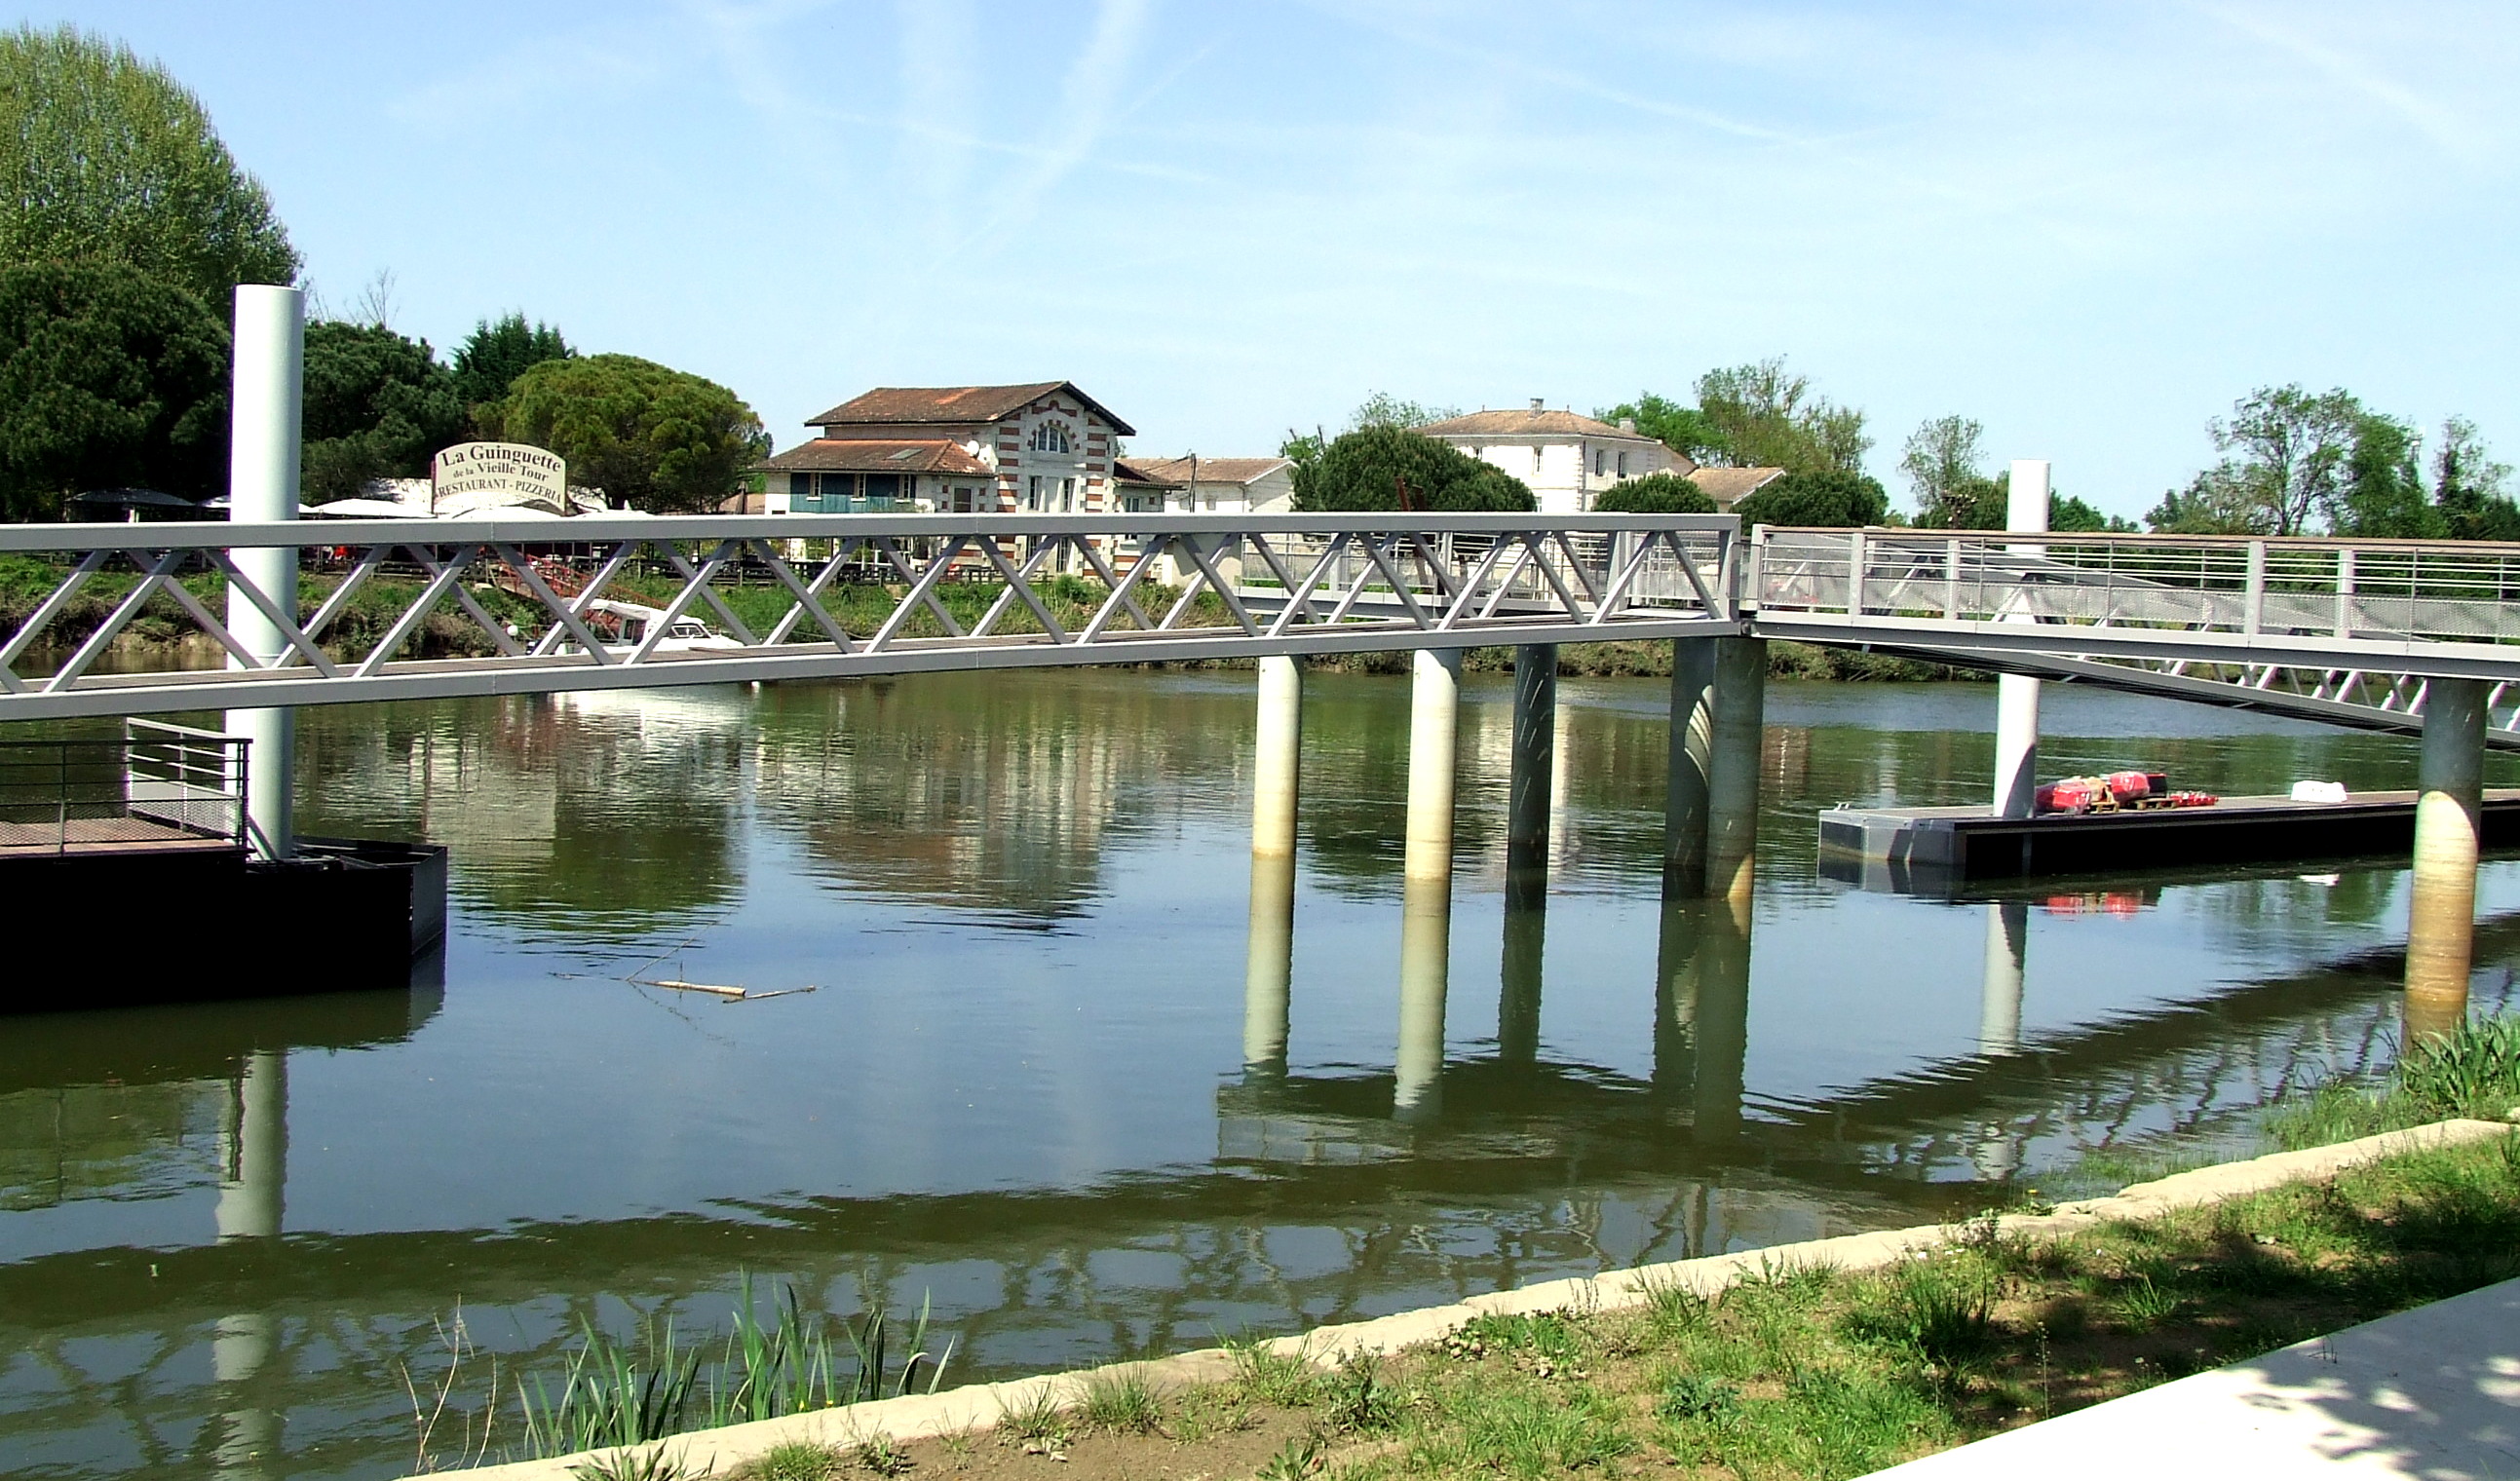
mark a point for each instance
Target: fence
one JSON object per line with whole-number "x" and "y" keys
{"x": 152, "y": 784}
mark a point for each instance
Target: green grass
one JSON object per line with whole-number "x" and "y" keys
{"x": 2474, "y": 1073}
{"x": 1120, "y": 1402}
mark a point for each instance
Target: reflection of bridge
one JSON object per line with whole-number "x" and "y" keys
{"x": 1661, "y": 1166}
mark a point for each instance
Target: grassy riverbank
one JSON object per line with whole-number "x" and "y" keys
{"x": 1806, "y": 1371}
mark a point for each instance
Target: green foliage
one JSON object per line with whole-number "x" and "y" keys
{"x": 1655, "y": 494}
{"x": 2470, "y": 487}
{"x": 661, "y": 440}
{"x": 655, "y": 1463}
{"x": 1765, "y": 416}
{"x": 2381, "y": 493}
{"x": 495, "y": 354}
{"x": 795, "y": 1460}
{"x": 107, "y": 158}
{"x": 1355, "y": 1398}
{"x": 1675, "y": 425}
{"x": 1942, "y": 461}
{"x": 1383, "y": 409}
{"x": 1843, "y": 500}
{"x": 2077, "y": 516}
{"x": 1944, "y": 1309}
{"x": 1120, "y": 1402}
{"x": 2472, "y": 1072}
{"x": 2287, "y": 453}
{"x": 1381, "y": 469}
{"x": 378, "y": 406}
{"x": 107, "y": 378}
{"x": 1696, "y": 1396}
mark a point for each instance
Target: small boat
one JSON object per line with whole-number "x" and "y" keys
{"x": 633, "y": 623}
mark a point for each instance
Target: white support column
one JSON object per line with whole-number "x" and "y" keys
{"x": 1276, "y": 756}
{"x": 265, "y": 408}
{"x": 2017, "y": 716}
{"x": 1426, "y": 883}
{"x": 2441, "y": 915}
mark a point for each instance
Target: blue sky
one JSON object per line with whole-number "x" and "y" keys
{"x": 2088, "y": 226}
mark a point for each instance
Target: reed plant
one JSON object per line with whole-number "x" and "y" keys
{"x": 613, "y": 1393}
{"x": 2474, "y": 1071}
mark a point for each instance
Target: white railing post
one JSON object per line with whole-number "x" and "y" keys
{"x": 1857, "y": 558}
{"x": 2253, "y": 602}
{"x": 1952, "y": 580}
{"x": 2345, "y": 592}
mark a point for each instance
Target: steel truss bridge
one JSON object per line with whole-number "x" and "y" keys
{"x": 2344, "y": 632}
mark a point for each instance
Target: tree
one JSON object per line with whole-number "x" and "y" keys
{"x": 1767, "y": 417}
{"x": 1682, "y": 428}
{"x": 2469, "y": 486}
{"x": 378, "y": 406}
{"x": 1383, "y": 468}
{"x": 658, "y": 439}
{"x": 2219, "y": 501}
{"x": 2382, "y": 494}
{"x": 2293, "y": 447}
{"x": 1383, "y": 409}
{"x": 488, "y": 362}
{"x": 103, "y": 155}
{"x": 2079, "y": 516}
{"x": 109, "y": 378}
{"x": 1655, "y": 494}
{"x": 1942, "y": 461}
{"x": 1832, "y": 498}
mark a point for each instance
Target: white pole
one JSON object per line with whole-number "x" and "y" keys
{"x": 266, "y": 406}
{"x": 2017, "y": 716}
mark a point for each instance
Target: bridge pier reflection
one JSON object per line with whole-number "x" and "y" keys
{"x": 1535, "y": 816}
{"x": 252, "y": 1185}
{"x": 1998, "y": 1010}
{"x": 1703, "y": 1012}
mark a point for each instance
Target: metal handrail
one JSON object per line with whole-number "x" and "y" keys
{"x": 154, "y": 782}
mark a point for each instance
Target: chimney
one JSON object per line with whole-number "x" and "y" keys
{"x": 1627, "y": 424}
{"x": 1535, "y": 403}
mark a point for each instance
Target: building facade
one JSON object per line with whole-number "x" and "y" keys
{"x": 1225, "y": 486}
{"x": 1570, "y": 461}
{"x": 1045, "y": 448}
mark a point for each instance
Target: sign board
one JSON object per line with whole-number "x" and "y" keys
{"x": 480, "y": 474}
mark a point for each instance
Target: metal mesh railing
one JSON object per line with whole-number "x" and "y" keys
{"x": 2290, "y": 588}
{"x": 155, "y": 783}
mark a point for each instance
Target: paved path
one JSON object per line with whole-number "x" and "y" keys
{"x": 2431, "y": 1393}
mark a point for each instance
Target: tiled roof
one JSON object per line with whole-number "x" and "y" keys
{"x": 953, "y": 405}
{"x": 1242, "y": 471}
{"x": 1525, "y": 423}
{"x": 825, "y": 455}
{"x": 1141, "y": 473}
{"x": 1726, "y": 485}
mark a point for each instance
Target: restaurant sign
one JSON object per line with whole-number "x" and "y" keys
{"x": 473, "y": 474}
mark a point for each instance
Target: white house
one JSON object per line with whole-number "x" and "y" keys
{"x": 1047, "y": 447}
{"x": 1225, "y": 486}
{"x": 1569, "y": 461}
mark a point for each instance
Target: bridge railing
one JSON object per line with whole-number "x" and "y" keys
{"x": 149, "y": 783}
{"x": 2393, "y": 590}
{"x": 557, "y": 603}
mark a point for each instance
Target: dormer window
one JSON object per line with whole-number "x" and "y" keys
{"x": 1051, "y": 437}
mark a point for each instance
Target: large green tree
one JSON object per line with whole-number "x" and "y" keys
{"x": 1388, "y": 467}
{"x": 2381, "y": 493}
{"x": 109, "y": 378}
{"x": 1675, "y": 425}
{"x": 1767, "y": 417}
{"x": 658, "y": 439}
{"x": 106, "y": 157}
{"x": 496, "y": 354}
{"x": 1829, "y": 497}
{"x": 1944, "y": 463}
{"x": 1655, "y": 494}
{"x": 2469, "y": 488}
{"x": 378, "y": 406}
{"x": 2285, "y": 462}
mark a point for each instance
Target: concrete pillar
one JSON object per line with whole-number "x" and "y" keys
{"x": 1998, "y": 1010}
{"x": 2017, "y": 714}
{"x": 1426, "y": 883}
{"x": 2440, "y": 917}
{"x": 1530, "y": 790}
{"x": 1276, "y": 766}
{"x": 265, "y": 407}
{"x": 1684, "y": 793}
{"x": 1732, "y": 773}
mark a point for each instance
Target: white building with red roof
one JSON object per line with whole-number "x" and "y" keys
{"x": 1044, "y": 447}
{"x": 1569, "y": 461}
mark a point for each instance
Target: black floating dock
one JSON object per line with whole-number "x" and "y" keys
{"x": 131, "y": 921}
{"x": 1960, "y": 844}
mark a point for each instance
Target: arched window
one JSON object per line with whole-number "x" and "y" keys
{"x": 1051, "y": 437}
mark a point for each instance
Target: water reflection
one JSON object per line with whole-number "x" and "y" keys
{"x": 1074, "y": 1133}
